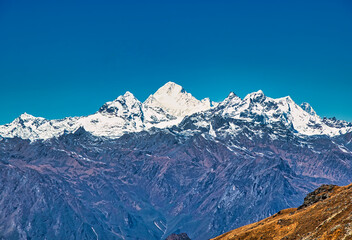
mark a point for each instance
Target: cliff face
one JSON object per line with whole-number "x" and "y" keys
{"x": 325, "y": 214}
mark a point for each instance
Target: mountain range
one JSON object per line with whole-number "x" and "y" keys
{"x": 168, "y": 106}
{"x": 172, "y": 164}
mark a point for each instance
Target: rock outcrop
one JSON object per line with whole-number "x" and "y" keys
{"x": 180, "y": 236}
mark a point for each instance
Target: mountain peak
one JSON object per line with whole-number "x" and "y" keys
{"x": 25, "y": 116}
{"x": 122, "y": 104}
{"x": 128, "y": 94}
{"x": 289, "y": 99}
{"x": 256, "y": 96}
{"x": 170, "y": 88}
{"x": 173, "y": 99}
{"x": 231, "y": 100}
{"x": 258, "y": 93}
{"x": 232, "y": 95}
{"x": 306, "y": 107}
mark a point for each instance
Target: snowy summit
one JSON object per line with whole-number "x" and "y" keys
{"x": 168, "y": 106}
{"x": 176, "y": 101}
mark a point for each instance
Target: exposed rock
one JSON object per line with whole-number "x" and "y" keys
{"x": 319, "y": 194}
{"x": 326, "y": 220}
{"x": 180, "y": 236}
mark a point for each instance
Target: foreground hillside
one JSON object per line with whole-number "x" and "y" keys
{"x": 325, "y": 214}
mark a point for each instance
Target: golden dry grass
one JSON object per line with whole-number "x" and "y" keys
{"x": 328, "y": 219}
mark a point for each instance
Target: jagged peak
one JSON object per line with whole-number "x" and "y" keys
{"x": 286, "y": 99}
{"x": 79, "y": 130}
{"x": 308, "y": 108}
{"x": 127, "y": 96}
{"x": 26, "y": 116}
{"x": 168, "y": 92}
{"x": 289, "y": 99}
{"x": 206, "y": 100}
{"x": 259, "y": 92}
{"x": 256, "y": 96}
{"x": 232, "y": 95}
{"x": 173, "y": 99}
{"x": 126, "y": 101}
{"x": 231, "y": 98}
{"x": 170, "y": 88}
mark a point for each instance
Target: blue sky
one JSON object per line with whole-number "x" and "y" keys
{"x": 66, "y": 58}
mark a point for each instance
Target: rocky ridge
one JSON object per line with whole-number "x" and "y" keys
{"x": 325, "y": 214}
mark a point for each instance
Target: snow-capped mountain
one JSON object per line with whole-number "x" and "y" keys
{"x": 124, "y": 114}
{"x": 27, "y": 126}
{"x": 258, "y": 107}
{"x": 136, "y": 170}
{"x": 167, "y": 107}
{"x": 176, "y": 101}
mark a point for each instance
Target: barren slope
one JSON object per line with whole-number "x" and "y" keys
{"x": 325, "y": 214}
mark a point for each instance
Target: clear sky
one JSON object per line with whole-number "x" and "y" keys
{"x": 66, "y": 58}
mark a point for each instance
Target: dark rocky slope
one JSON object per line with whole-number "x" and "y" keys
{"x": 149, "y": 185}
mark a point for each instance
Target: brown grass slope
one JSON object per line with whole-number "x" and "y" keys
{"x": 325, "y": 214}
